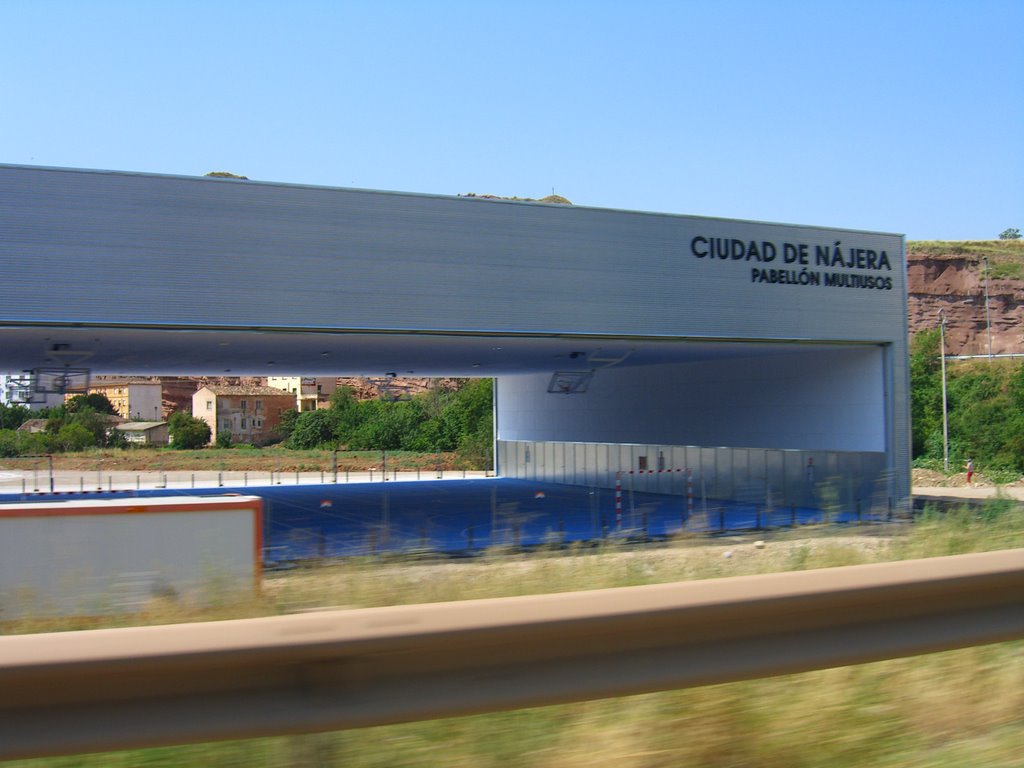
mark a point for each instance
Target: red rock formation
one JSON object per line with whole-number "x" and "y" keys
{"x": 952, "y": 279}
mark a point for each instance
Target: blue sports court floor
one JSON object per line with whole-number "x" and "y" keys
{"x": 465, "y": 516}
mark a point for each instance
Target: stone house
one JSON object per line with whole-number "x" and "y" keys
{"x": 250, "y": 414}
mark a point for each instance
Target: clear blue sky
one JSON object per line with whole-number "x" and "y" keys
{"x": 881, "y": 115}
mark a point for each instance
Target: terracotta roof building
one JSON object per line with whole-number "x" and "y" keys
{"x": 250, "y": 414}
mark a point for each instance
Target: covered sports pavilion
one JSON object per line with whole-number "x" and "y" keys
{"x": 726, "y": 359}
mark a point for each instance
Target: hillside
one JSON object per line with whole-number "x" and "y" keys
{"x": 950, "y": 276}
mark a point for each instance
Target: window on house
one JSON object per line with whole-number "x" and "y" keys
{"x": 209, "y": 405}
{"x": 243, "y": 404}
{"x": 259, "y": 405}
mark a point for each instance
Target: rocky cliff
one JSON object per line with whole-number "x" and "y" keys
{"x": 953, "y": 276}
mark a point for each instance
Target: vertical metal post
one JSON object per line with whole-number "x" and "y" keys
{"x": 49, "y": 456}
{"x": 988, "y": 317}
{"x": 945, "y": 416}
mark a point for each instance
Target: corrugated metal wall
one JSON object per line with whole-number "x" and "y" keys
{"x": 830, "y": 480}
{"x": 242, "y": 253}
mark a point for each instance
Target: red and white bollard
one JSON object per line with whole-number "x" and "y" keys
{"x": 618, "y": 500}
{"x": 689, "y": 493}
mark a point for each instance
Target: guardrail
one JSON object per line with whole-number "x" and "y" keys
{"x": 110, "y": 689}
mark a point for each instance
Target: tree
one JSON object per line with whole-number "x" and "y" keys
{"x": 13, "y": 443}
{"x": 187, "y": 432}
{"x": 349, "y": 414}
{"x": 926, "y": 392}
{"x": 14, "y": 415}
{"x": 387, "y": 427}
{"x": 75, "y": 436}
{"x": 95, "y": 401}
{"x": 287, "y": 424}
{"x": 466, "y": 424}
{"x": 1010, "y": 234}
{"x": 438, "y": 420}
{"x": 313, "y": 429}
{"x": 80, "y": 411}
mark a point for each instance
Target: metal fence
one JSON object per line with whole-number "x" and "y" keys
{"x": 39, "y": 478}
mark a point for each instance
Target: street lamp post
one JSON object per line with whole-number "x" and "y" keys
{"x": 945, "y": 418}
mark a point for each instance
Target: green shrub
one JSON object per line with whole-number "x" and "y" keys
{"x": 187, "y": 432}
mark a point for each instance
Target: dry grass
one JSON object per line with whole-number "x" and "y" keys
{"x": 960, "y": 708}
{"x": 240, "y": 459}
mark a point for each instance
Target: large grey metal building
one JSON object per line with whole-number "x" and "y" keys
{"x": 767, "y": 359}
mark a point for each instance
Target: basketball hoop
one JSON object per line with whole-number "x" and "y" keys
{"x": 60, "y": 381}
{"x": 570, "y": 382}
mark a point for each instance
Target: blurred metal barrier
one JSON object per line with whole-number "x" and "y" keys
{"x": 99, "y": 690}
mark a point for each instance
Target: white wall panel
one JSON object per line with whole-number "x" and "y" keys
{"x": 822, "y": 400}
